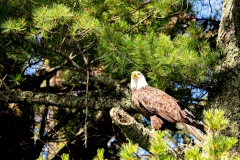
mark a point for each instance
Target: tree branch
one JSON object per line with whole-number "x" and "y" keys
{"x": 131, "y": 128}
{"x": 42, "y": 98}
{"x": 66, "y": 101}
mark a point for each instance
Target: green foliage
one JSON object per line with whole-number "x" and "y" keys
{"x": 194, "y": 154}
{"x": 100, "y": 154}
{"x": 214, "y": 120}
{"x": 219, "y": 146}
{"x": 84, "y": 21}
{"x": 65, "y": 156}
{"x": 47, "y": 18}
{"x": 163, "y": 59}
{"x": 40, "y": 157}
{"x": 14, "y": 25}
{"x": 159, "y": 147}
{"x": 137, "y": 16}
{"x": 128, "y": 151}
{"x": 17, "y": 79}
{"x": 215, "y": 146}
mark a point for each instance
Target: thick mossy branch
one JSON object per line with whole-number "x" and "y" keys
{"x": 41, "y": 98}
{"x": 66, "y": 101}
{"x": 131, "y": 128}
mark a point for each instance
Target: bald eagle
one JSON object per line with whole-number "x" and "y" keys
{"x": 161, "y": 109}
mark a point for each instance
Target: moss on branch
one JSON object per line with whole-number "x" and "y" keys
{"x": 131, "y": 128}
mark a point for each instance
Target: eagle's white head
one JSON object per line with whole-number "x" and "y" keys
{"x": 138, "y": 80}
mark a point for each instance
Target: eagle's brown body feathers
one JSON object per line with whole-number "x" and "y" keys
{"x": 147, "y": 101}
{"x": 163, "y": 110}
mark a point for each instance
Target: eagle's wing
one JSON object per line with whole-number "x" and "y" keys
{"x": 160, "y": 103}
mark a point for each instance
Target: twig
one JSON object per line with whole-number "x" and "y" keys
{"x": 135, "y": 25}
{"x": 2, "y": 80}
{"x": 86, "y": 116}
{"x": 60, "y": 47}
{"x": 70, "y": 61}
{"x": 86, "y": 100}
{"x": 209, "y": 1}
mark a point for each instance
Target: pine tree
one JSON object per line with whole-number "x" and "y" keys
{"x": 65, "y": 64}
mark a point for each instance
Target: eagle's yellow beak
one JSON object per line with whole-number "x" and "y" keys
{"x": 134, "y": 75}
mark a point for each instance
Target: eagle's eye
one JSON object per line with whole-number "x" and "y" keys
{"x": 138, "y": 73}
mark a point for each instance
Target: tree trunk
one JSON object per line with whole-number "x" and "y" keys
{"x": 227, "y": 94}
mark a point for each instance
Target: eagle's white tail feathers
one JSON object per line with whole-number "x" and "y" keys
{"x": 190, "y": 130}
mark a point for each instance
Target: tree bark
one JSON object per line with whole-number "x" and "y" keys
{"x": 227, "y": 94}
{"x": 131, "y": 128}
{"x": 41, "y": 98}
{"x": 65, "y": 101}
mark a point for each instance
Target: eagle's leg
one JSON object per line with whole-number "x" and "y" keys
{"x": 156, "y": 122}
